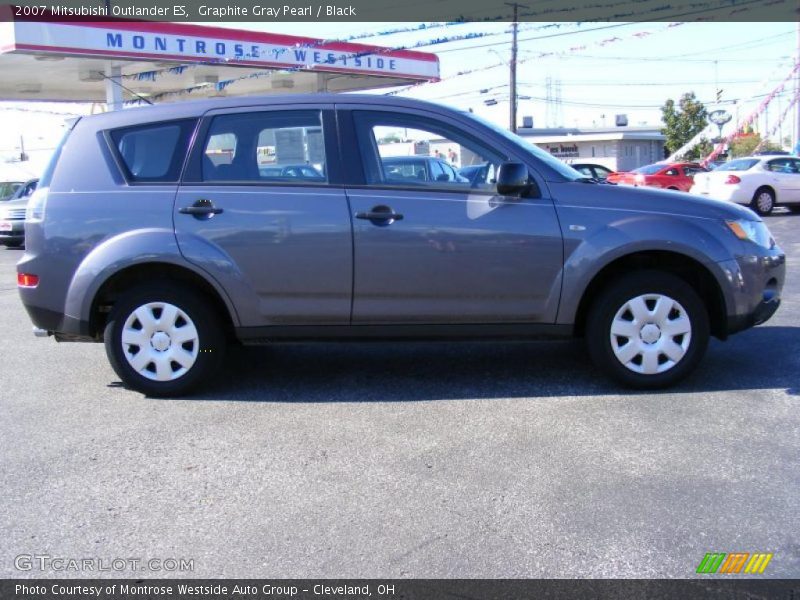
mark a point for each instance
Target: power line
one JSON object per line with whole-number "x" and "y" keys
{"x": 616, "y": 25}
{"x": 669, "y": 59}
{"x": 649, "y": 83}
{"x": 504, "y": 97}
{"x": 541, "y": 37}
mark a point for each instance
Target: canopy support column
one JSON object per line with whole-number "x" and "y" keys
{"x": 114, "y": 87}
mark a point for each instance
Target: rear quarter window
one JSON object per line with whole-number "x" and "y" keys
{"x": 152, "y": 153}
{"x": 742, "y": 164}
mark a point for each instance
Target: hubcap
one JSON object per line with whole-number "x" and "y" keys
{"x": 650, "y": 334}
{"x": 160, "y": 341}
{"x": 764, "y": 202}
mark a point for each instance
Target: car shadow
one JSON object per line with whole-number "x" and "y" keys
{"x": 761, "y": 358}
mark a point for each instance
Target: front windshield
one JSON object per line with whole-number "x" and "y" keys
{"x": 7, "y": 189}
{"x": 649, "y": 169}
{"x": 741, "y": 164}
{"x": 551, "y": 161}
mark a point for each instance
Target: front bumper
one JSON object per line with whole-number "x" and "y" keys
{"x": 15, "y": 234}
{"x": 756, "y": 283}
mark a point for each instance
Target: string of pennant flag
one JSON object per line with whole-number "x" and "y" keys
{"x": 774, "y": 129}
{"x": 541, "y": 55}
{"x": 708, "y": 131}
{"x": 747, "y": 121}
{"x": 154, "y": 74}
{"x": 659, "y": 9}
{"x": 222, "y": 85}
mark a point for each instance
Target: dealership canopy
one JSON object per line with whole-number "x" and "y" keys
{"x": 116, "y": 60}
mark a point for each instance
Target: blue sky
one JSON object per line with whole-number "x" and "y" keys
{"x": 634, "y": 74}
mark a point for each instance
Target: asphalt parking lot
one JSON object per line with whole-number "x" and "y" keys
{"x": 376, "y": 460}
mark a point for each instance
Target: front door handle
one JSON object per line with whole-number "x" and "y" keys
{"x": 202, "y": 209}
{"x": 380, "y": 215}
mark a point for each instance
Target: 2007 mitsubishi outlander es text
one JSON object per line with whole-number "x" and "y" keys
{"x": 168, "y": 231}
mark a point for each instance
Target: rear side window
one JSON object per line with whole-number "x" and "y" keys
{"x": 649, "y": 169}
{"x": 283, "y": 146}
{"x": 742, "y": 164}
{"x": 153, "y": 153}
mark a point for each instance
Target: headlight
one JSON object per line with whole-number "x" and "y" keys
{"x": 35, "y": 208}
{"x": 754, "y": 231}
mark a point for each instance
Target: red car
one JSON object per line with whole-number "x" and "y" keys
{"x": 668, "y": 176}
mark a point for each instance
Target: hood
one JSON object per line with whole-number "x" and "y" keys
{"x": 645, "y": 199}
{"x": 18, "y": 203}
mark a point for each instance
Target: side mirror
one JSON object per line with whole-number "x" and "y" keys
{"x": 512, "y": 179}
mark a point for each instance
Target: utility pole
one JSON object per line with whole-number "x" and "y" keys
{"x": 513, "y": 67}
{"x": 22, "y": 154}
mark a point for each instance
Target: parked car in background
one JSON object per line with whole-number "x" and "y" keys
{"x": 598, "y": 172}
{"x": 668, "y": 176}
{"x": 12, "y": 222}
{"x": 478, "y": 174}
{"x": 12, "y": 215}
{"x": 420, "y": 168}
{"x": 760, "y": 182}
{"x": 8, "y": 189}
{"x": 290, "y": 172}
{"x": 714, "y": 164}
{"x": 135, "y": 240}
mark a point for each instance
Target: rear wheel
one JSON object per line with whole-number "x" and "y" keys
{"x": 763, "y": 201}
{"x": 163, "y": 340}
{"x": 648, "y": 329}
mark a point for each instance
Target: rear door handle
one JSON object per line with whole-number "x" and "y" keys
{"x": 380, "y": 215}
{"x": 201, "y": 209}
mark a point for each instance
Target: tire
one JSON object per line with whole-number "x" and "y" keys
{"x": 170, "y": 370}
{"x": 763, "y": 201}
{"x": 653, "y": 363}
{"x": 14, "y": 244}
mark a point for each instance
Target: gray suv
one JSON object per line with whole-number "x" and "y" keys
{"x": 164, "y": 233}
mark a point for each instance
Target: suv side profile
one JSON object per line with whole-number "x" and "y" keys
{"x": 154, "y": 231}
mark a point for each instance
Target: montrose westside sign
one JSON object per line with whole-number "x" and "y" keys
{"x": 191, "y": 43}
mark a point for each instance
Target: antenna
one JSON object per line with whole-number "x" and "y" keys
{"x": 130, "y": 91}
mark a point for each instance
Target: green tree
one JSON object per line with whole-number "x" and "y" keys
{"x": 391, "y": 138}
{"x": 682, "y": 123}
{"x": 746, "y": 145}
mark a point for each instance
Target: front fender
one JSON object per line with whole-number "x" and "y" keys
{"x": 139, "y": 246}
{"x": 588, "y": 255}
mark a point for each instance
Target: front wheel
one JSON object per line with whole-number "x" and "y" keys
{"x": 648, "y": 330}
{"x": 163, "y": 340}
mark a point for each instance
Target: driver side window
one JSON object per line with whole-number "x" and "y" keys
{"x": 397, "y": 146}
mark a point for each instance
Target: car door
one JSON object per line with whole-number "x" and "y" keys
{"x": 671, "y": 178}
{"x": 280, "y": 243}
{"x": 440, "y": 251}
{"x": 600, "y": 173}
{"x": 783, "y": 179}
{"x": 687, "y": 180}
{"x": 792, "y": 181}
